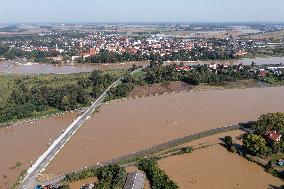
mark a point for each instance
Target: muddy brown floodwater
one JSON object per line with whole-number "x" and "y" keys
{"x": 25, "y": 143}
{"x": 214, "y": 167}
{"x": 129, "y": 126}
{"x": 10, "y": 67}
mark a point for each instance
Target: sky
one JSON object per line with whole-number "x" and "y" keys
{"x": 105, "y": 11}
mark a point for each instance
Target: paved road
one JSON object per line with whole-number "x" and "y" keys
{"x": 29, "y": 181}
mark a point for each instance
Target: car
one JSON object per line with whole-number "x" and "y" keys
{"x": 38, "y": 187}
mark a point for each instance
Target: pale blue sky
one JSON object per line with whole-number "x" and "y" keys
{"x": 141, "y": 11}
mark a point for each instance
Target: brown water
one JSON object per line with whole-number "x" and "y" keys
{"x": 214, "y": 167}
{"x": 36, "y": 68}
{"x": 248, "y": 61}
{"x": 126, "y": 127}
{"x": 77, "y": 68}
{"x": 25, "y": 143}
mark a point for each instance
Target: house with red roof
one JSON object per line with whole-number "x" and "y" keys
{"x": 272, "y": 136}
{"x": 183, "y": 68}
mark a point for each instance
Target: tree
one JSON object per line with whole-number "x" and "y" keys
{"x": 254, "y": 145}
{"x": 229, "y": 143}
{"x": 65, "y": 103}
{"x": 270, "y": 122}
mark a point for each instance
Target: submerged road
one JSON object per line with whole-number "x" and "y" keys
{"x": 29, "y": 182}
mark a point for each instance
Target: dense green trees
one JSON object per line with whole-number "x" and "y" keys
{"x": 270, "y": 122}
{"x": 156, "y": 176}
{"x": 23, "y": 102}
{"x": 203, "y": 74}
{"x": 157, "y": 73}
{"x": 254, "y": 145}
{"x": 111, "y": 177}
{"x": 100, "y": 82}
{"x": 228, "y": 142}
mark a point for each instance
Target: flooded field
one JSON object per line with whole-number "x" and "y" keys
{"x": 129, "y": 126}
{"x": 214, "y": 167}
{"x": 23, "y": 144}
{"x": 7, "y": 67}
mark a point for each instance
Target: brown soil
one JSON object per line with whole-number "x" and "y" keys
{"x": 129, "y": 126}
{"x": 159, "y": 88}
{"x": 25, "y": 143}
{"x": 214, "y": 167}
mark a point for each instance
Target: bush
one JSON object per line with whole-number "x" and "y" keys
{"x": 270, "y": 122}
{"x": 112, "y": 177}
{"x": 119, "y": 91}
{"x": 254, "y": 145}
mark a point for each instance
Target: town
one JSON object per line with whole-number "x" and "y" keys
{"x": 164, "y": 94}
{"x": 110, "y": 45}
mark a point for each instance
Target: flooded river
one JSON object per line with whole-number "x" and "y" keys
{"x": 7, "y": 67}
{"x": 129, "y": 126}
{"x": 25, "y": 143}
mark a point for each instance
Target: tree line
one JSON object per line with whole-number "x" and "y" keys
{"x": 26, "y": 100}
{"x": 157, "y": 177}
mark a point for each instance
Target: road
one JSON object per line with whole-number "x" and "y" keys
{"x": 151, "y": 150}
{"x": 29, "y": 182}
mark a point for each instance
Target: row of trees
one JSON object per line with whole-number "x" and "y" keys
{"x": 203, "y": 74}
{"x": 157, "y": 73}
{"x": 25, "y": 102}
{"x": 110, "y": 177}
{"x": 29, "y": 99}
{"x": 183, "y": 55}
{"x": 156, "y": 176}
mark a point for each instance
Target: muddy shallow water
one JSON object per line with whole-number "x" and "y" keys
{"x": 10, "y": 67}
{"x": 214, "y": 167}
{"x": 7, "y": 67}
{"x": 125, "y": 127}
{"x": 217, "y": 169}
{"x": 25, "y": 143}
